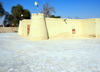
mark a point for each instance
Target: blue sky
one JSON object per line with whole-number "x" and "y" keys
{"x": 64, "y": 8}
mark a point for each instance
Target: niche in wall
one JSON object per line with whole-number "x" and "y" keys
{"x": 28, "y": 29}
{"x": 73, "y": 31}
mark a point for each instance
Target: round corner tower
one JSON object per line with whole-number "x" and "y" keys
{"x": 38, "y": 30}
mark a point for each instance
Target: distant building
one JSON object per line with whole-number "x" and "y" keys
{"x": 41, "y": 28}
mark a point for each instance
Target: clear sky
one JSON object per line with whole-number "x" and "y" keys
{"x": 64, "y": 8}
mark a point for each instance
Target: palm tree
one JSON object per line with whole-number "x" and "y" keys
{"x": 2, "y": 11}
{"x": 47, "y": 10}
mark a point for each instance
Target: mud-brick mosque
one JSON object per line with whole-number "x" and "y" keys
{"x": 41, "y": 28}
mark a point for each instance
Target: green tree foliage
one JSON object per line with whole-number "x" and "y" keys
{"x": 53, "y": 16}
{"x": 47, "y": 10}
{"x": 8, "y": 19}
{"x": 15, "y": 22}
{"x": 13, "y": 19}
{"x": 17, "y": 11}
{"x": 2, "y": 11}
{"x": 26, "y": 14}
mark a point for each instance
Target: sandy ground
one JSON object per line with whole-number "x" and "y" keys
{"x": 18, "y": 54}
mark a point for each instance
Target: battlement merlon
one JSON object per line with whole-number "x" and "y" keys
{"x": 39, "y": 14}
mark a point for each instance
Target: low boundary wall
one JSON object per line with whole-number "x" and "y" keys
{"x": 8, "y": 29}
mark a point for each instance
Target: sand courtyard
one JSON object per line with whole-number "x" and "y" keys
{"x": 19, "y": 54}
